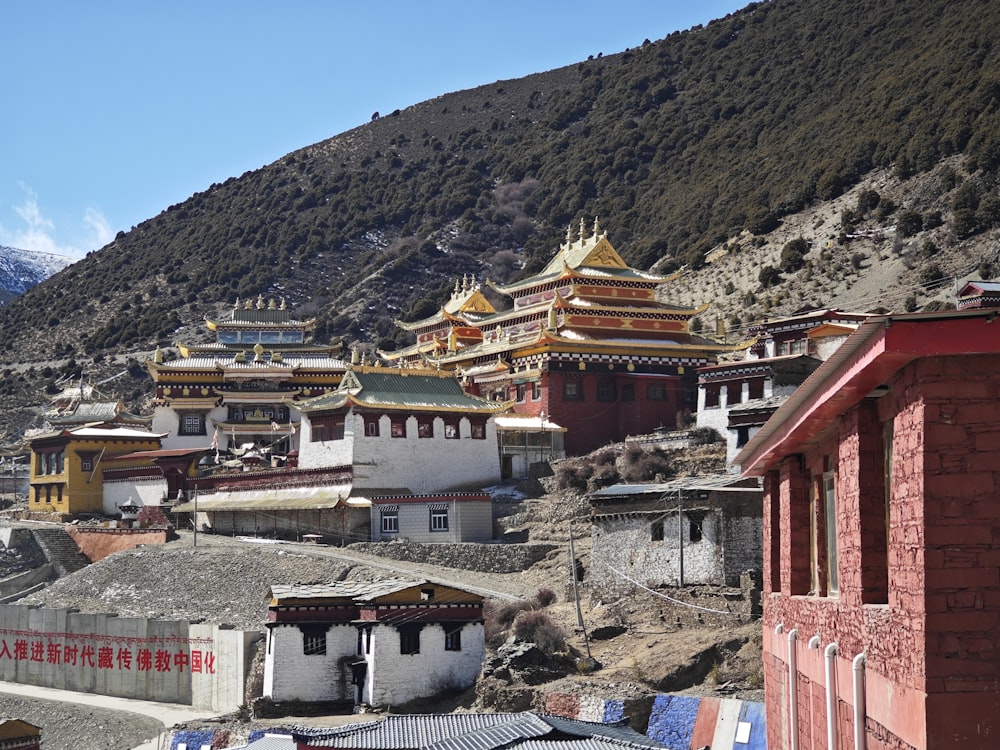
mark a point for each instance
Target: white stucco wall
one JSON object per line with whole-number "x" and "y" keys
{"x": 423, "y": 465}
{"x": 133, "y": 491}
{"x": 394, "y": 678}
{"x": 165, "y": 419}
{"x": 468, "y": 521}
{"x": 290, "y": 675}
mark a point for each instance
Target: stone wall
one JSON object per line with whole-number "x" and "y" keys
{"x": 488, "y": 558}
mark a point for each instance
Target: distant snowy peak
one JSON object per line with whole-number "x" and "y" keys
{"x": 22, "y": 269}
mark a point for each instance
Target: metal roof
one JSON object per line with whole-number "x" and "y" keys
{"x": 475, "y": 732}
{"x": 289, "y": 498}
{"x": 710, "y": 483}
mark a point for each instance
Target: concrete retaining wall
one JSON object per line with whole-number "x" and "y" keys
{"x": 156, "y": 660}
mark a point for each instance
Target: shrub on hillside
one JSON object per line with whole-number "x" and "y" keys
{"x": 705, "y": 436}
{"x": 499, "y": 618}
{"x": 645, "y": 465}
{"x": 538, "y": 627}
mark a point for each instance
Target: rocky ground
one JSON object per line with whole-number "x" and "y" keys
{"x": 69, "y": 725}
{"x": 638, "y": 646}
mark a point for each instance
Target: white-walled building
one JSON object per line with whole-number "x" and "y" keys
{"x": 402, "y": 428}
{"x": 380, "y": 643}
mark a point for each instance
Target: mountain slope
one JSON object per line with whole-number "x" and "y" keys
{"x": 677, "y": 145}
{"x": 22, "y": 269}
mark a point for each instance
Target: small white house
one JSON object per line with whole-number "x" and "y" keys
{"x": 376, "y": 643}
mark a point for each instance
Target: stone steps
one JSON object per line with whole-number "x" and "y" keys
{"x": 61, "y": 550}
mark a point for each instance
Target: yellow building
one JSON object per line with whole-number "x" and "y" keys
{"x": 66, "y": 472}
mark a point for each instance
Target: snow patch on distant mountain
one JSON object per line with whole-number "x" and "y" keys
{"x": 22, "y": 269}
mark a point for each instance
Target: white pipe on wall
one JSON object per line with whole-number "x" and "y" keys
{"x": 793, "y": 681}
{"x": 858, "y": 668}
{"x": 831, "y": 697}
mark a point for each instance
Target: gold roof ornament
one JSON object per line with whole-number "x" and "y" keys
{"x": 260, "y": 301}
{"x": 283, "y": 306}
{"x": 258, "y": 352}
{"x": 158, "y": 356}
{"x": 271, "y": 304}
{"x": 237, "y": 305}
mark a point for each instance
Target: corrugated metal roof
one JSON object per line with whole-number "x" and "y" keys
{"x": 714, "y": 483}
{"x": 270, "y": 742}
{"x": 289, "y": 498}
{"x": 475, "y": 732}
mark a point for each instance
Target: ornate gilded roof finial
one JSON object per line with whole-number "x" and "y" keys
{"x": 237, "y": 305}
{"x": 355, "y": 359}
{"x": 597, "y": 226}
{"x": 583, "y": 228}
{"x": 158, "y": 356}
{"x": 248, "y": 305}
{"x": 271, "y": 304}
{"x": 260, "y": 301}
{"x": 552, "y": 319}
{"x": 258, "y": 352}
{"x": 465, "y": 282}
{"x": 457, "y": 288}
{"x": 283, "y": 306}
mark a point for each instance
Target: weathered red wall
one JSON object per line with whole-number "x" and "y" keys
{"x": 927, "y": 614}
{"x": 98, "y": 543}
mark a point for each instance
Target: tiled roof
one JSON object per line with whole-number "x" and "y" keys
{"x": 399, "y": 732}
{"x": 710, "y": 483}
{"x": 227, "y": 358}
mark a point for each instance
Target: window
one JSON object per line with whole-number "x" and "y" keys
{"x": 390, "y": 521}
{"x": 477, "y": 430}
{"x": 606, "y": 390}
{"x": 756, "y": 388}
{"x": 656, "y": 392}
{"x": 830, "y": 510}
{"x": 696, "y": 522}
{"x": 320, "y": 432}
{"x": 313, "y": 640}
{"x": 453, "y": 638}
{"x": 398, "y": 429}
{"x": 439, "y": 519}
{"x": 337, "y": 430}
{"x": 371, "y": 425}
{"x": 86, "y": 463}
{"x": 742, "y": 435}
{"x": 656, "y": 530}
{"x": 425, "y": 427}
{"x": 572, "y": 390}
{"x": 451, "y": 429}
{"x": 521, "y": 392}
{"x": 536, "y": 390}
{"x": 409, "y": 639}
{"x": 628, "y": 392}
{"x": 192, "y": 424}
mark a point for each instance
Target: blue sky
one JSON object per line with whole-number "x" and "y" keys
{"x": 114, "y": 110}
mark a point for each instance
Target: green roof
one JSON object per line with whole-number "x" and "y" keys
{"x": 402, "y": 389}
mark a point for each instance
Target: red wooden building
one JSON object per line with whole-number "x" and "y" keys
{"x": 882, "y": 541}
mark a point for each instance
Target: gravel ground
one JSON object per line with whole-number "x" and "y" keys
{"x": 220, "y": 581}
{"x": 69, "y": 726}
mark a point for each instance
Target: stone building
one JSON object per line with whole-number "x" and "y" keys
{"x": 382, "y": 643}
{"x": 881, "y": 552}
{"x": 691, "y": 531}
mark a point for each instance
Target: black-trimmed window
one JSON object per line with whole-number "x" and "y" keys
{"x": 477, "y": 430}
{"x": 452, "y": 637}
{"x": 521, "y": 392}
{"x": 656, "y": 530}
{"x": 390, "y": 521}
{"x": 313, "y": 639}
{"x": 319, "y": 432}
{"x": 409, "y": 639}
{"x": 371, "y": 425}
{"x": 191, "y": 423}
{"x": 656, "y": 392}
{"x": 439, "y": 519}
{"x": 606, "y": 390}
{"x": 572, "y": 390}
{"x": 536, "y": 390}
{"x": 398, "y": 428}
{"x": 451, "y": 431}
{"x": 425, "y": 427}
